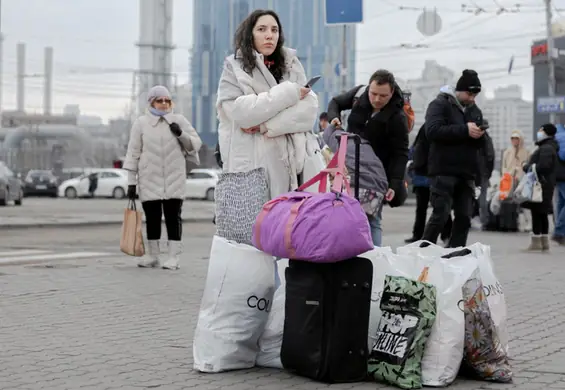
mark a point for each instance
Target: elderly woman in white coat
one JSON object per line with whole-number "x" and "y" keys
{"x": 160, "y": 142}
{"x": 265, "y": 109}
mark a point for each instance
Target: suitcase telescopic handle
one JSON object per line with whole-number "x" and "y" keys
{"x": 357, "y": 140}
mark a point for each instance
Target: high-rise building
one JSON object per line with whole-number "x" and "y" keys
{"x": 425, "y": 88}
{"x": 507, "y": 112}
{"x": 155, "y": 47}
{"x": 319, "y": 48}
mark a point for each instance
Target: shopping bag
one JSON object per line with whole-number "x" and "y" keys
{"x": 131, "y": 240}
{"x": 385, "y": 262}
{"x": 529, "y": 188}
{"x": 491, "y": 284}
{"x": 270, "y": 342}
{"x": 485, "y": 357}
{"x": 408, "y": 313}
{"x": 239, "y": 197}
{"x": 493, "y": 291}
{"x": 235, "y": 305}
{"x": 444, "y": 349}
{"x": 505, "y": 187}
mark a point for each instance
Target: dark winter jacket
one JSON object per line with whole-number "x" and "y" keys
{"x": 487, "y": 157}
{"x": 386, "y": 131}
{"x": 421, "y": 152}
{"x": 546, "y": 160}
{"x": 452, "y": 151}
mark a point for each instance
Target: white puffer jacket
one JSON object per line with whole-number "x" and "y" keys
{"x": 155, "y": 154}
{"x": 246, "y": 100}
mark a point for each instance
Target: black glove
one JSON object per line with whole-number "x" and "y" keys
{"x": 400, "y": 193}
{"x": 131, "y": 192}
{"x": 175, "y": 129}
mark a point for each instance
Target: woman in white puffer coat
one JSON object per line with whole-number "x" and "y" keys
{"x": 265, "y": 110}
{"x": 159, "y": 145}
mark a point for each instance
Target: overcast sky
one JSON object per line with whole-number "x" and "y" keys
{"x": 102, "y": 34}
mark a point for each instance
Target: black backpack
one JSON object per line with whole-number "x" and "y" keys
{"x": 421, "y": 153}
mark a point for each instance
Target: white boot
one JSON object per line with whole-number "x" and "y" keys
{"x": 151, "y": 259}
{"x": 175, "y": 250}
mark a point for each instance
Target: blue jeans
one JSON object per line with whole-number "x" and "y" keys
{"x": 376, "y": 230}
{"x": 560, "y": 212}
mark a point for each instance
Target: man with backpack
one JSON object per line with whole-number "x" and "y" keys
{"x": 455, "y": 131}
{"x": 559, "y": 233}
{"x": 377, "y": 115}
{"x": 421, "y": 188}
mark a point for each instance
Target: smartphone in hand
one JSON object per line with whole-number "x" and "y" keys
{"x": 312, "y": 81}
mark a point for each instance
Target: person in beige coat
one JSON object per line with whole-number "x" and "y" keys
{"x": 160, "y": 143}
{"x": 515, "y": 156}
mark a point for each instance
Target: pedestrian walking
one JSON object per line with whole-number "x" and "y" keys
{"x": 161, "y": 142}
{"x": 418, "y": 171}
{"x": 545, "y": 159}
{"x": 453, "y": 128}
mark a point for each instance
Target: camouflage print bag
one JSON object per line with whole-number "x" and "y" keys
{"x": 484, "y": 356}
{"x": 408, "y": 314}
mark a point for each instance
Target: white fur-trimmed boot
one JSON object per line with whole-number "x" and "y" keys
{"x": 175, "y": 250}
{"x": 151, "y": 259}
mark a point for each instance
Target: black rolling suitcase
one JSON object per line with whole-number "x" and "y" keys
{"x": 327, "y": 317}
{"x": 508, "y": 216}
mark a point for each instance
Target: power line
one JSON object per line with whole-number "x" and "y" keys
{"x": 475, "y": 9}
{"x": 468, "y": 43}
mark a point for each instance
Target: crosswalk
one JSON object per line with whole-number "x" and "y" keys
{"x": 41, "y": 255}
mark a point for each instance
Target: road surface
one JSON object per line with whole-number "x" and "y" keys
{"x": 48, "y": 212}
{"x": 76, "y": 314}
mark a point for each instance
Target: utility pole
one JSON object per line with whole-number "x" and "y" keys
{"x": 550, "y": 56}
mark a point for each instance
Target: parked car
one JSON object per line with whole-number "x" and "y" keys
{"x": 71, "y": 173}
{"x": 112, "y": 183}
{"x": 40, "y": 183}
{"x": 10, "y": 186}
{"x": 201, "y": 184}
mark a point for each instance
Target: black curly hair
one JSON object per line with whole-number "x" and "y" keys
{"x": 243, "y": 42}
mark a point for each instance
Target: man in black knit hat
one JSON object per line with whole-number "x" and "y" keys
{"x": 455, "y": 134}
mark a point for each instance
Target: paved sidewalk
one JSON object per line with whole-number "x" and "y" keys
{"x": 47, "y": 212}
{"x": 105, "y": 324}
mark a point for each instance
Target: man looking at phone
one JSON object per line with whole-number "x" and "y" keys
{"x": 377, "y": 115}
{"x": 455, "y": 131}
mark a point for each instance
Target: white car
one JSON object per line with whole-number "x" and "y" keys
{"x": 201, "y": 183}
{"x": 112, "y": 183}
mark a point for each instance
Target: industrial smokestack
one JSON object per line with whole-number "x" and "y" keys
{"x": 48, "y": 81}
{"x": 21, "y": 74}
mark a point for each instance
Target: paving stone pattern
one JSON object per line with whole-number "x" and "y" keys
{"x": 105, "y": 324}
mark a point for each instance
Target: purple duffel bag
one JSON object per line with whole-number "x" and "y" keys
{"x": 324, "y": 227}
